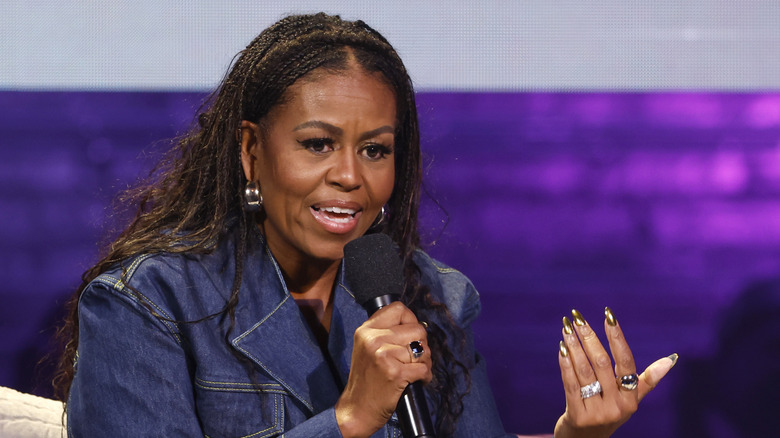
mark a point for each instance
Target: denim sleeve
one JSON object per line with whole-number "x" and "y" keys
{"x": 132, "y": 375}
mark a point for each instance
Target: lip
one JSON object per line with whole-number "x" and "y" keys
{"x": 337, "y": 216}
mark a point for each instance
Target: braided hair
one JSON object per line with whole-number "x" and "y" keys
{"x": 185, "y": 204}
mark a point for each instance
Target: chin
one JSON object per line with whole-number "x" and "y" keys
{"x": 328, "y": 251}
{"x": 333, "y": 249}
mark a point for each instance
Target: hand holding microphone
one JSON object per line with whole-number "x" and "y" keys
{"x": 389, "y": 361}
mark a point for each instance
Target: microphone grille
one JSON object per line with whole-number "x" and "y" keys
{"x": 373, "y": 267}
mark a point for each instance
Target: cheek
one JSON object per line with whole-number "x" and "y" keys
{"x": 283, "y": 170}
{"x": 286, "y": 184}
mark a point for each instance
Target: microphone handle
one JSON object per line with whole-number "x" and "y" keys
{"x": 413, "y": 413}
{"x": 412, "y": 408}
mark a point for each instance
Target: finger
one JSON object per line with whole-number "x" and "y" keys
{"x": 412, "y": 338}
{"x": 391, "y": 356}
{"x": 416, "y": 372}
{"x": 621, "y": 353}
{"x": 405, "y": 351}
{"x": 654, "y": 373}
{"x": 598, "y": 357}
{"x": 402, "y": 353}
{"x": 406, "y": 333}
{"x": 394, "y": 360}
{"x": 417, "y": 352}
{"x": 582, "y": 369}
{"x": 398, "y": 325}
{"x": 398, "y": 364}
{"x": 571, "y": 384}
{"x": 409, "y": 339}
{"x": 423, "y": 358}
{"x": 393, "y": 314}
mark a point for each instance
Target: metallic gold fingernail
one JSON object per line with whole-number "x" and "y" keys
{"x": 578, "y": 319}
{"x": 567, "y": 328}
{"x": 610, "y": 317}
{"x": 673, "y": 357}
{"x": 564, "y": 350}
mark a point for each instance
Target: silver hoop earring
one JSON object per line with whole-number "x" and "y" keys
{"x": 252, "y": 196}
{"x": 380, "y": 219}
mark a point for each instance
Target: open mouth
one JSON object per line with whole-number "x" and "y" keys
{"x": 335, "y": 214}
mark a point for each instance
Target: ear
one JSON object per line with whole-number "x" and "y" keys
{"x": 249, "y": 138}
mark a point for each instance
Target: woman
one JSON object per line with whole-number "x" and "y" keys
{"x": 222, "y": 309}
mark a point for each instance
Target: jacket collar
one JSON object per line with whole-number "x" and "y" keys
{"x": 272, "y": 332}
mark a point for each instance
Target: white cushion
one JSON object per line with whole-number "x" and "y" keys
{"x": 29, "y": 416}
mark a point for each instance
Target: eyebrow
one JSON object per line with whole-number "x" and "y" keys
{"x": 335, "y": 130}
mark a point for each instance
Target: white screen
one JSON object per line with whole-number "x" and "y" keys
{"x": 454, "y": 45}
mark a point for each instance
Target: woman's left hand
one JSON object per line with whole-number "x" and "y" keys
{"x": 586, "y": 366}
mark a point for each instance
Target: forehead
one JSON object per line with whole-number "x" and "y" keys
{"x": 349, "y": 93}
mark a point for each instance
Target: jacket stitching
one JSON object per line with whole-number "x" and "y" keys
{"x": 254, "y": 327}
{"x": 273, "y": 428}
{"x": 268, "y": 431}
{"x": 119, "y": 285}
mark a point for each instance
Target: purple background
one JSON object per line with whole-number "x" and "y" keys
{"x": 663, "y": 206}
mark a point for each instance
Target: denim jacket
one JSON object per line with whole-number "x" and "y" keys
{"x": 143, "y": 370}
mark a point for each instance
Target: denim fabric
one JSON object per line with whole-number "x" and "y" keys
{"x": 142, "y": 370}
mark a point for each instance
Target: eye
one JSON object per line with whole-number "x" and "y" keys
{"x": 375, "y": 151}
{"x": 318, "y": 145}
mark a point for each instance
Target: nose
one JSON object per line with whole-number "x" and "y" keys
{"x": 345, "y": 170}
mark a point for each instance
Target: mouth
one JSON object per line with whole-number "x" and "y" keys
{"x": 339, "y": 215}
{"x": 336, "y": 216}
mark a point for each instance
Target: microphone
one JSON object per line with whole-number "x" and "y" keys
{"x": 376, "y": 274}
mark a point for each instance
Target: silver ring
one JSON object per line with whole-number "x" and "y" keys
{"x": 629, "y": 382}
{"x": 417, "y": 349}
{"x": 590, "y": 390}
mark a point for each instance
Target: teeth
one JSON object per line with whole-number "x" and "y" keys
{"x": 340, "y": 220}
{"x": 340, "y": 210}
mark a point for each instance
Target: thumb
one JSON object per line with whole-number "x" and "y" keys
{"x": 654, "y": 373}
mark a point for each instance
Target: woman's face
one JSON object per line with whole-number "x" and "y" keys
{"x": 324, "y": 163}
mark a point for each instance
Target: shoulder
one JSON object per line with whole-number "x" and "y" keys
{"x": 176, "y": 286}
{"x": 142, "y": 274}
{"x": 450, "y": 287}
{"x": 177, "y": 268}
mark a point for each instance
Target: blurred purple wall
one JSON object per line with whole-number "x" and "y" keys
{"x": 663, "y": 206}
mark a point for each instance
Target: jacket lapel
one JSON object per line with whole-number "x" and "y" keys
{"x": 273, "y": 334}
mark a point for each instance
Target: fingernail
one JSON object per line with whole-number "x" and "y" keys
{"x": 610, "y": 317}
{"x": 564, "y": 350}
{"x": 578, "y": 319}
{"x": 567, "y": 328}
{"x": 673, "y": 357}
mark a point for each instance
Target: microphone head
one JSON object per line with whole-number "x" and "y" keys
{"x": 373, "y": 267}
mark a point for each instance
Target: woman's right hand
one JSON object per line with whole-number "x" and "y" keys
{"x": 382, "y": 366}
